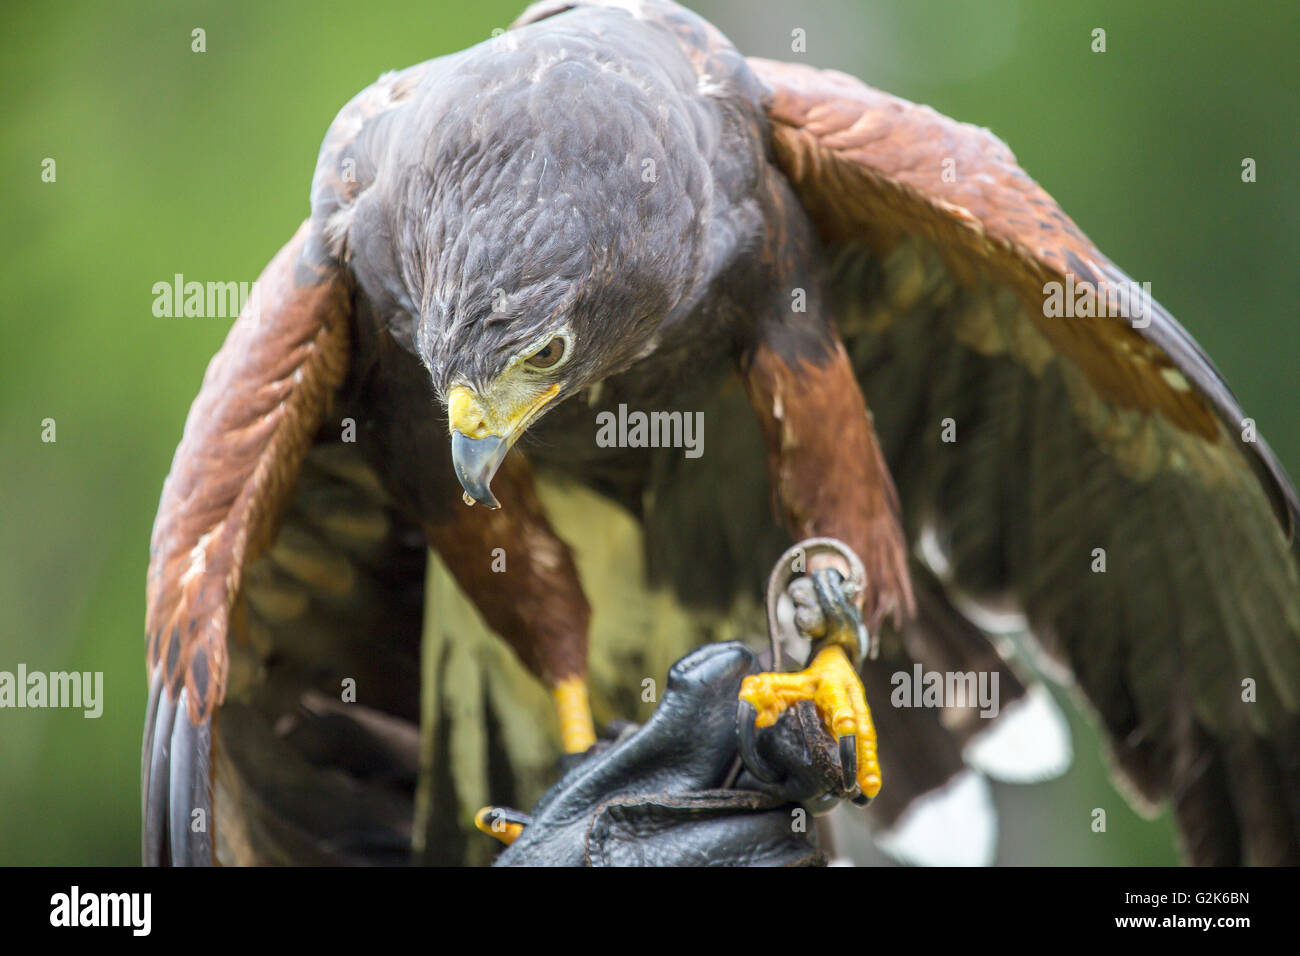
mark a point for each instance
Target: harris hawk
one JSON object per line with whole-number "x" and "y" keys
{"x": 609, "y": 208}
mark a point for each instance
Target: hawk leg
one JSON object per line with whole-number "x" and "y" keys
{"x": 829, "y": 479}
{"x": 522, "y": 578}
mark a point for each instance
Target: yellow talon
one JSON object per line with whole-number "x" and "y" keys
{"x": 491, "y": 821}
{"x": 833, "y": 685}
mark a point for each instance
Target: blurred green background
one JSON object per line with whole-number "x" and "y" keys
{"x": 173, "y": 161}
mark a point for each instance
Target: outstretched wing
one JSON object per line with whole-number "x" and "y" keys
{"x": 263, "y": 398}
{"x": 1094, "y": 474}
{"x": 234, "y": 492}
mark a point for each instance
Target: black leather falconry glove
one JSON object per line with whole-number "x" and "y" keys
{"x": 662, "y": 796}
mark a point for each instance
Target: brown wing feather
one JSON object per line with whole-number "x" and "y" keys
{"x": 263, "y": 397}
{"x": 1073, "y": 434}
{"x": 858, "y": 156}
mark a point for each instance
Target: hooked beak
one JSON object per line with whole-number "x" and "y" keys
{"x": 476, "y": 460}
{"x": 481, "y": 436}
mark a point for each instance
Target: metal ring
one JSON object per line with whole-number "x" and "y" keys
{"x": 783, "y": 573}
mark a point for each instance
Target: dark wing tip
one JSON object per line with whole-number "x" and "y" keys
{"x": 175, "y": 784}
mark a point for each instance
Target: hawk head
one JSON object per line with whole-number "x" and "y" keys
{"x": 561, "y": 212}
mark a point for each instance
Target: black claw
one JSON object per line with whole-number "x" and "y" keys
{"x": 849, "y": 760}
{"x": 746, "y": 715}
{"x": 861, "y": 799}
{"x": 511, "y": 815}
{"x": 840, "y": 614}
{"x": 822, "y": 803}
{"x": 498, "y": 818}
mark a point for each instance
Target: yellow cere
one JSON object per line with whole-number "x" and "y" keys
{"x": 504, "y": 412}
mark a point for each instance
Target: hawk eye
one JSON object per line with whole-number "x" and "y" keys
{"x": 549, "y": 355}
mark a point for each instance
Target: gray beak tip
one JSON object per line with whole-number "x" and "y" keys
{"x": 476, "y": 461}
{"x": 491, "y": 504}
